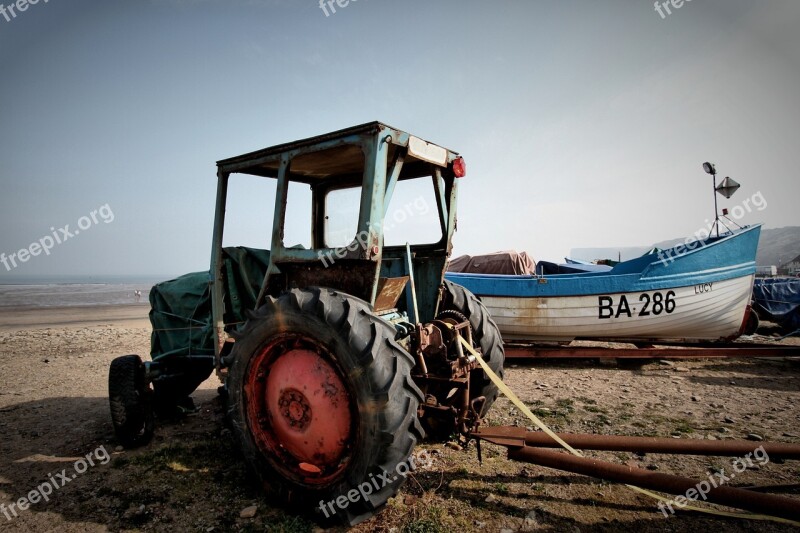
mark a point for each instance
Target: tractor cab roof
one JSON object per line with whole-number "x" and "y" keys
{"x": 340, "y": 155}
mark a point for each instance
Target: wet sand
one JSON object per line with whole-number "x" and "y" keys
{"x": 27, "y": 318}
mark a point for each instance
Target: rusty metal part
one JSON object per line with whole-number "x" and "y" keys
{"x": 295, "y": 408}
{"x": 430, "y": 341}
{"x": 465, "y": 330}
{"x": 474, "y": 417}
{"x": 443, "y": 372}
{"x": 731, "y": 349}
{"x": 389, "y": 291}
{"x": 518, "y": 437}
{"x": 463, "y": 410}
{"x": 452, "y": 316}
{"x": 423, "y": 368}
{"x": 772, "y": 505}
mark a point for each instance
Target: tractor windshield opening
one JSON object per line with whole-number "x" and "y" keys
{"x": 297, "y": 227}
{"x": 249, "y": 221}
{"x": 412, "y": 216}
{"x": 341, "y": 216}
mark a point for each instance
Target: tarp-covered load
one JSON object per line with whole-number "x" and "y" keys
{"x": 180, "y": 313}
{"x": 507, "y": 262}
{"x": 181, "y": 317}
{"x": 181, "y": 308}
{"x": 778, "y": 300}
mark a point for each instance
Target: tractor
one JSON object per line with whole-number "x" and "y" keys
{"x": 339, "y": 355}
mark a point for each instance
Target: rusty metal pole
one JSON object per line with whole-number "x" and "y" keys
{"x": 516, "y": 437}
{"x": 742, "y": 499}
{"x": 656, "y": 445}
{"x": 748, "y": 350}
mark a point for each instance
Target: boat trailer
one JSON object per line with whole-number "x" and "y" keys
{"x": 527, "y": 446}
{"x": 663, "y": 350}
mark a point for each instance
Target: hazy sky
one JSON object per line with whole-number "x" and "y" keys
{"x": 583, "y": 123}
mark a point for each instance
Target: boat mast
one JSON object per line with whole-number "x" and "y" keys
{"x": 711, "y": 169}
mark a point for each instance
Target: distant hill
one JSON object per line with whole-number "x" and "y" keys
{"x": 776, "y": 246}
{"x": 622, "y": 253}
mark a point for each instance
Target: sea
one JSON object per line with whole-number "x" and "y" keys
{"x": 76, "y": 291}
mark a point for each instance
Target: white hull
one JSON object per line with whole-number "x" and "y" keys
{"x": 703, "y": 312}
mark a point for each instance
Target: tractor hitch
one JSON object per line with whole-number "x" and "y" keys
{"x": 443, "y": 372}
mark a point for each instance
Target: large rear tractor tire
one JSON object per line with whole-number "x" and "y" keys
{"x": 484, "y": 333}
{"x": 130, "y": 400}
{"x": 322, "y": 402}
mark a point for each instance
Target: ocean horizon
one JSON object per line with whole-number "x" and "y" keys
{"x": 85, "y": 279}
{"x": 76, "y": 291}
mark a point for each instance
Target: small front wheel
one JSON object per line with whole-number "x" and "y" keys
{"x": 130, "y": 399}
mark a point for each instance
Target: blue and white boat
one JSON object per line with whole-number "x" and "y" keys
{"x": 693, "y": 292}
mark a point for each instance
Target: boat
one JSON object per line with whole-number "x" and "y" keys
{"x": 697, "y": 291}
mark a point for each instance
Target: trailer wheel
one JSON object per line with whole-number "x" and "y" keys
{"x": 130, "y": 400}
{"x": 485, "y": 333}
{"x": 322, "y": 403}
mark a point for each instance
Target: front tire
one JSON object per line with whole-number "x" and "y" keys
{"x": 322, "y": 401}
{"x": 130, "y": 400}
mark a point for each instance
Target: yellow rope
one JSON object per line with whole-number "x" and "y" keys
{"x": 541, "y": 425}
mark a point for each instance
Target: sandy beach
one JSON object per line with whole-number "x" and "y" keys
{"x": 27, "y": 318}
{"x": 54, "y": 410}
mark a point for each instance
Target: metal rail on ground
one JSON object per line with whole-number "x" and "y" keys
{"x": 521, "y": 350}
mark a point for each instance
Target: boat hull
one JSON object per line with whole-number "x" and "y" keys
{"x": 688, "y": 293}
{"x": 705, "y": 312}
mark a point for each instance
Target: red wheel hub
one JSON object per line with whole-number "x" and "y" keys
{"x": 299, "y": 408}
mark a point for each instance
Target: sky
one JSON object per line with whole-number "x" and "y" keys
{"x": 583, "y": 123}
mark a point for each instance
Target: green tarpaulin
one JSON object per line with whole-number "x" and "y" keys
{"x": 181, "y": 308}
{"x": 180, "y": 314}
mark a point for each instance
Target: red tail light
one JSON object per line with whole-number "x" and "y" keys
{"x": 459, "y": 167}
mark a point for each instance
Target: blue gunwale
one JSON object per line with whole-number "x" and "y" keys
{"x": 715, "y": 259}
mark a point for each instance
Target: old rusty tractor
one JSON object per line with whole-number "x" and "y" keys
{"x": 338, "y": 356}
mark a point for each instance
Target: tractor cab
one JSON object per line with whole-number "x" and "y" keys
{"x": 357, "y": 230}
